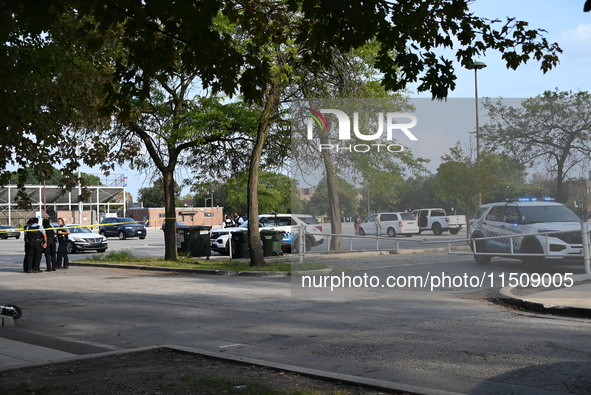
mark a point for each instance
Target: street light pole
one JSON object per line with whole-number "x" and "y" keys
{"x": 477, "y": 66}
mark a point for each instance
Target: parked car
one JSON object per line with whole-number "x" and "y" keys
{"x": 531, "y": 219}
{"x": 392, "y": 224}
{"x": 436, "y": 220}
{"x": 82, "y": 238}
{"x": 282, "y": 222}
{"x": 7, "y": 231}
{"x": 122, "y": 227}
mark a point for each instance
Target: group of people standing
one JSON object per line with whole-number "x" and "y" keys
{"x": 232, "y": 220}
{"x": 45, "y": 240}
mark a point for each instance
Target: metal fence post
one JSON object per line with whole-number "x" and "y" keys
{"x": 301, "y": 245}
{"x": 230, "y": 243}
{"x": 586, "y": 251}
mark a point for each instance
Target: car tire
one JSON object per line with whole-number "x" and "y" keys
{"x": 408, "y": 235}
{"x": 101, "y": 250}
{"x": 454, "y": 231}
{"x": 71, "y": 248}
{"x": 296, "y": 242}
{"x": 532, "y": 246}
{"x": 391, "y": 232}
{"x": 437, "y": 230}
{"x": 480, "y": 246}
{"x": 121, "y": 235}
{"x": 18, "y": 237}
{"x": 361, "y": 232}
{"x": 142, "y": 237}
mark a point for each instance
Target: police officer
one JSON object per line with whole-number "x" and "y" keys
{"x": 62, "y": 248}
{"x": 27, "y": 248}
{"x": 37, "y": 240}
{"x": 51, "y": 249}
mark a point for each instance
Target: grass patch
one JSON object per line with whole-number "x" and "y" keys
{"x": 125, "y": 257}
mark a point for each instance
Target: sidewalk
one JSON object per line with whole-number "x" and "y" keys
{"x": 575, "y": 297}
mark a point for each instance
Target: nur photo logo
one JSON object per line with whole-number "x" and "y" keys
{"x": 385, "y": 127}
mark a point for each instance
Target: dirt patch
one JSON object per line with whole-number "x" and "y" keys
{"x": 166, "y": 371}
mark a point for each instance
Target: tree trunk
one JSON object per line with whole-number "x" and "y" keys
{"x": 333, "y": 197}
{"x": 269, "y": 110}
{"x": 170, "y": 242}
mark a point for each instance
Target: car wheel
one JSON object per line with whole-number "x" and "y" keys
{"x": 532, "y": 246}
{"x": 101, "y": 250}
{"x": 480, "y": 247}
{"x": 71, "y": 247}
{"x": 361, "y": 232}
{"x": 122, "y": 235}
{"x": 454, "y": 231}
{"x": 3, "y": 237}
{"x": 391, "y": 232}
{"x": 295, "y": 244}
{"x": 18, "y": 237}
{"x": 142, "y": 237}
{"x": 437, "y": 229}
{"x": 409, "y": 235}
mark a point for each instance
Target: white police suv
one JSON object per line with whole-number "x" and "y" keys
{"x": 282, "y": 222}
{"x": 547, "y": 227}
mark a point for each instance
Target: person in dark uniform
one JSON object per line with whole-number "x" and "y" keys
{"x": 62, "y": 249}
{"x": 51, "y": 249}
{"x": 27, "y": 249}
{"x": 37, "y": 242}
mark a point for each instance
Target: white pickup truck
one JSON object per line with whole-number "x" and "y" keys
{"x": 438, "y": 221}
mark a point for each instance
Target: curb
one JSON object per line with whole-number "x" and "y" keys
{"x": 214, "y": 272}
{"x": 507, "y": 295}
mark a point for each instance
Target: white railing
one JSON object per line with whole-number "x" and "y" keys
{"x": 585, "y": 249}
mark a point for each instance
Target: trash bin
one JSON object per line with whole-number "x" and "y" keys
{"x": 240, "y": 244}
{"x": 194, "y": 240}
{"x": 271, "y": 242}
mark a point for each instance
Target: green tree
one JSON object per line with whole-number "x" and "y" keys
{"x": 459, "y": 179}
{"x": 177, "y": 131}
{"x": 273, "y": 192}
{"x": 320, "y": 201}
{"x": 154, "y": 196}
{"x": 551, "y": 130}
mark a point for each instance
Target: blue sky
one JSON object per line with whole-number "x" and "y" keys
{"x": 565, "y": 23}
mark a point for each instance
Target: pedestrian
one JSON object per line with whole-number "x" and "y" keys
{"x": 62, "y": 248}
{"x": 378, "y": 225}
{"x": 51, "y": 249}
{"x": 357, "y": 223}
{"x": 27, "y": 246}
{"x": 228, "y": 222}
{"x": 238, "y": 220}
{"x": 37, "y": 240}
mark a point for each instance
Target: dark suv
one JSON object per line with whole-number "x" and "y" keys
{"x": 122, "y": 227}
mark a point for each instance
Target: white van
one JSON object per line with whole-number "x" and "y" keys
{"x": 392, "y": 224}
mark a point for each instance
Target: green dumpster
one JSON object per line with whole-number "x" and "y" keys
{"x": 240, "y": 244}
{"x": 271, "y": 242}
{"x": 194, "y": 240}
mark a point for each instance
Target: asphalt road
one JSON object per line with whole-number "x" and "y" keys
{"x": 450, "y": 338}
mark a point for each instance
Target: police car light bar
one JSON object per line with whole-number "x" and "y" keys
{"x": 532, "y": 199}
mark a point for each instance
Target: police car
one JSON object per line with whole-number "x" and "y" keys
{"x": 548, "y": 227}
{"x": 282, "y": 222}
